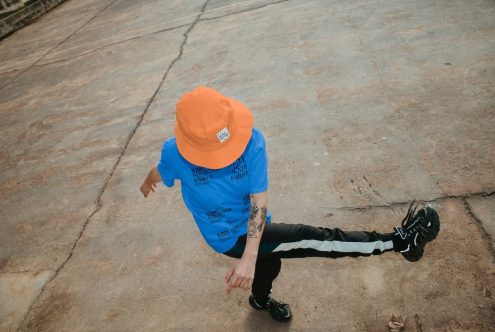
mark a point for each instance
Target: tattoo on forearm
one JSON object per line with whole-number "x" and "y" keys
{"x": 263, "y": 219}
{"x": 253, "y": 226}
{"x": 251, "y": 222}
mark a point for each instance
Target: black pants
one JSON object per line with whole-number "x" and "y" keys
{"x": 296, "y": 240}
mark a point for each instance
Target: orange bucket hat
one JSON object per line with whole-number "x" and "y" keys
{"x": 212, "y": 130}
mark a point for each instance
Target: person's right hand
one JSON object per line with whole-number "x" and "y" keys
{"x": 147, "y": 186}
{"x": 241, "y": 275}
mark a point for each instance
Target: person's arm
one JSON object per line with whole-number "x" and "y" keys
{"x": 242, "y": 274}
{"x": 150, "y": 182}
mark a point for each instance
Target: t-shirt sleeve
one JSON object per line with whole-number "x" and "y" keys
{"x": 257, "y": 164}
{"x": 164, "y": 166}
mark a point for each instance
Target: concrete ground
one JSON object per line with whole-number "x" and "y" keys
{"x": 365, "y": 106}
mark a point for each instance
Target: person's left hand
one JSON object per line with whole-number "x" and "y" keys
{"x": 241, "y": 275}
{"x": 147, "y": 186}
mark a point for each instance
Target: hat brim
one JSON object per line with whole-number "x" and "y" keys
{"x": 228, "y": 151}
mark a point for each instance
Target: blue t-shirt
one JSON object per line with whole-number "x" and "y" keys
{"x": 219, "y": 200}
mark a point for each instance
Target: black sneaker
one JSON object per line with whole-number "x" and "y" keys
{"x": 278, "y": 310}
{"x": 416, "y": 231}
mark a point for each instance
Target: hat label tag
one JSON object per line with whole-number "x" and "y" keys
{"x": 223, "y": 135}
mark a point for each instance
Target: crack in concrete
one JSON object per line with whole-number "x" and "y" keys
{"x": 73, "y": 33}
{"x": 393, "y": 204}
{"x": 12, "y": 71}
{"x": 17, "y": 272}
{"x": 124, "y": 149}
{"x": 110, "y": 44}
{"x": 479, "y": 225}
{"x": 23, "y": 70}
{"x": 370, "y": 52}
{"x": 243, "y": 11}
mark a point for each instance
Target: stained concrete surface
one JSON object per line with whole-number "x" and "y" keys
{"x": 17, "y": 290}
{"x": 483, "y": 208}
{"x": 365, "y": 106}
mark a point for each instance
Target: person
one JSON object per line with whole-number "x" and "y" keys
{"x": 221, "y": 162}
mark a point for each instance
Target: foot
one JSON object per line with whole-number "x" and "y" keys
{"x": 278, "y": 310}
{"x": 416, "y": 231}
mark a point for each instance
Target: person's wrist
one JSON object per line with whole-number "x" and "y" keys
{"x": 250, "y": 256}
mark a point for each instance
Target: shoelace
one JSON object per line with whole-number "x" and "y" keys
{"x": 410, "y": 224}
{"x": 275, "y": 303}
{"x": 410, "y": 214}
